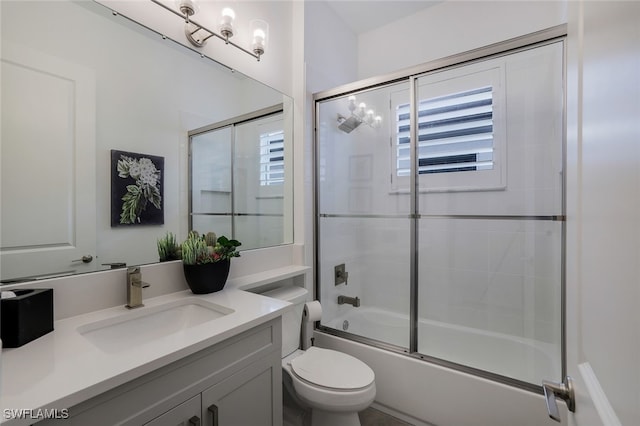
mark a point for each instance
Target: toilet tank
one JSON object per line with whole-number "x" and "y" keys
{"x": 292, "y": 319}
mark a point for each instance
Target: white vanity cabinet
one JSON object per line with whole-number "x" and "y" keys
{"x": 237, "y": 382}
{"x": 244, "y": 399}
{"x": 189, "y": 413}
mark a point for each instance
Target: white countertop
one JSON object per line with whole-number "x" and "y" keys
{"x": 63, "y": 368}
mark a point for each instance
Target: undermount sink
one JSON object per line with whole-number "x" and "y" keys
{"x": 146, "y": 324}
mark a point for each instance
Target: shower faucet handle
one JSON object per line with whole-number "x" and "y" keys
{"x": 340, "y": 274}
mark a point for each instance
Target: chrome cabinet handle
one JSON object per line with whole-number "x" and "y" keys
{"x": 194, "y": 421}
{"x": 87, "y": 258}
{"x": 115, "y": 265}
{"x": 562, "y": 390}
{"x": 213, "y": 409}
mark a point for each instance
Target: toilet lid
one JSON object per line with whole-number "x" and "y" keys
{"x": 332, "y": 369}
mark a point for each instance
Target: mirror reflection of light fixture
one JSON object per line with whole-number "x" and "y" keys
{"x": 359, "y": 114}
{"x": 198, "y": 34}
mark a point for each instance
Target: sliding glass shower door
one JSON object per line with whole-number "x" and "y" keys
{"x": 363, "y": 224}
{"x": 490, "y": 156}
{"x": 440, "y": 214}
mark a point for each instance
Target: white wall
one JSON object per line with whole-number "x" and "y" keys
{"x": 330, "y": 48}
{"x": 603, "y": 239}
{"x": 451, "y": 27}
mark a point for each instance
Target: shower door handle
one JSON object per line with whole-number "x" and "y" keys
{"x": 562, "y": 390}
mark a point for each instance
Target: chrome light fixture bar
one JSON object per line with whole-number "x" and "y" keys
{"x": 198, "y": 34}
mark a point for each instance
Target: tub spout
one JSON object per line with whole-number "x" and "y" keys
{"x": 353, "y": 301}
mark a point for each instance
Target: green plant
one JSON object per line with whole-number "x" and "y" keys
{"x": 168, "y": 248}
{"x": 227, "y": 248}
{"x": 196, "y": 249}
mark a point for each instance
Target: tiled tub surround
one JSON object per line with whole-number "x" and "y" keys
{"x": 63, "y": 368}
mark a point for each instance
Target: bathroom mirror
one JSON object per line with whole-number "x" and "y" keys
{"x": 82, "y": 89}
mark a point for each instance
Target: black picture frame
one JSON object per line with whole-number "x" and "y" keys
{"x": 137, "y": 189}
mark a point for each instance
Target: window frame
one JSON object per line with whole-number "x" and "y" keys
{"x": 446, "y": 82}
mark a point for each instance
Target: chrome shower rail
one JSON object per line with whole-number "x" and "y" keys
{"x": 551, "y": 218}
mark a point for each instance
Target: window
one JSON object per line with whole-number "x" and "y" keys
{"x": 456, "y": 133}
{"x": 272, "y": 158}
{"x": 459, "y": 132}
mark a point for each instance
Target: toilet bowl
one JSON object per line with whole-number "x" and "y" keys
{"x": 335, "y": 386}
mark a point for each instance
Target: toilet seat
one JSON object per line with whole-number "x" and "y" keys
{"x": 333, "y": 370}
{"x": 330, "y": 399}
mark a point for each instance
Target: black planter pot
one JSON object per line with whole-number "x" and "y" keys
{"x": 208, "y": 277}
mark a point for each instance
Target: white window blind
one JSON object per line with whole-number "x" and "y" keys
{"x": 455, "y": 133}
{"x": 272, "y": 158}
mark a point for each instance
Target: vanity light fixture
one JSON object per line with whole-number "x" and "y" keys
{"x": 359, "y": 114}
{"x": 198, "y": 34}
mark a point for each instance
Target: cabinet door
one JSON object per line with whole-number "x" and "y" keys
{"x": 185, "y": 414}
{"x": 252, "y": 396}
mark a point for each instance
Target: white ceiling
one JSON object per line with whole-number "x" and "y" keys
{"x": 364, "y": 15}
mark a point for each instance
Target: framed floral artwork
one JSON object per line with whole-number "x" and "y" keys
{"x": 137, "y": 186}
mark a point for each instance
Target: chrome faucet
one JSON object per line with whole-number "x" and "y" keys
{"x": 353, "y": 301}
{"x": 134, "y": 287}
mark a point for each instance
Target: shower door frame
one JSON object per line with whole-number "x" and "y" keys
{"x": 540, "y": 38}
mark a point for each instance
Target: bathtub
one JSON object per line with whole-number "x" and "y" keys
{"x": 519, "y": 358}
{"x": 431, "y": 394}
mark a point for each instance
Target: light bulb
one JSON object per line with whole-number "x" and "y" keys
{"x": 226, "y": 22}
{"x": 260, "y": 31}
{"x": 187, "y": 7}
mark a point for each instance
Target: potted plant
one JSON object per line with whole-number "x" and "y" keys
{"x": 168, "y": 248}
{"x": 206, "y": 261}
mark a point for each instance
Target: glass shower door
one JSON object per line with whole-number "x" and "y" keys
{"x": 364, "y": 223}
{"x": 440, "y": 225}
{"x": 491, "y": 214}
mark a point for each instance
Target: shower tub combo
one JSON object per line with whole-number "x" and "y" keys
{"x": 440, "y": 221}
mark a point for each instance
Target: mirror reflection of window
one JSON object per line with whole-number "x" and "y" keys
{"x": 272, "y": 158}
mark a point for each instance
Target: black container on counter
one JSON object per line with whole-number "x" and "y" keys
{"x": 26, "y": 316}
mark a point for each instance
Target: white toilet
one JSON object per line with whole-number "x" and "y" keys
{"x": 334, "y": 385}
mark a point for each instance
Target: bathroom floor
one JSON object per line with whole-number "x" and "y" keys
{"x": 373, "y": 417}
{"x": 294, "y": 416}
